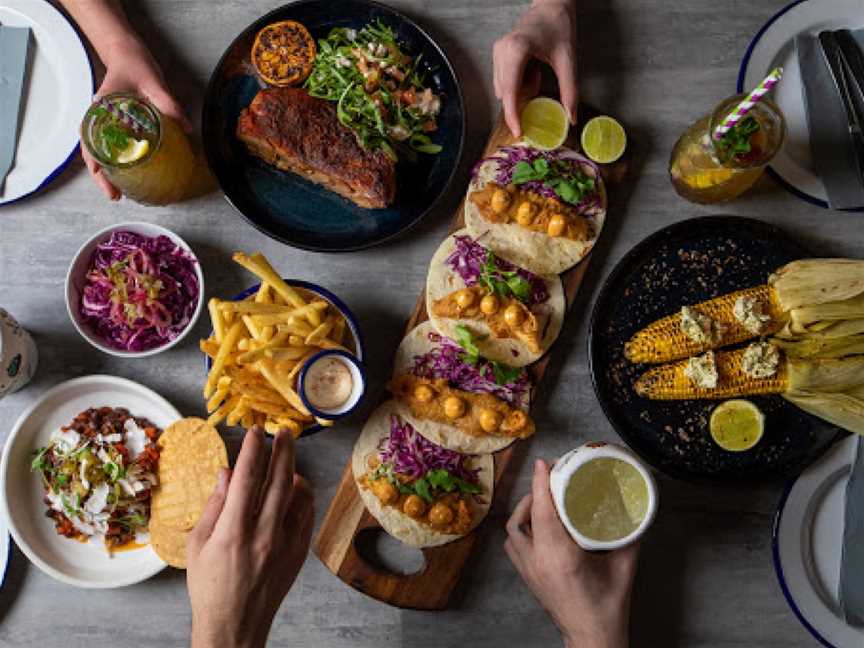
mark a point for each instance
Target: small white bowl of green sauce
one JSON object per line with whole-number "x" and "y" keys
{"x": 606, "y": 498}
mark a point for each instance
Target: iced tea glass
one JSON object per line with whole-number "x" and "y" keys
{"x": 144, "y": 153}
{"x": 704, "y": 171}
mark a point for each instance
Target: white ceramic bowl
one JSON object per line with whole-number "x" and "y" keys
{"x": 575, "y": 459}
{"x": 21, "y": 490}
{"x": 75, "y": 281}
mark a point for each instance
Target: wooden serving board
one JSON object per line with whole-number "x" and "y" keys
{"x": 347, "y": 517}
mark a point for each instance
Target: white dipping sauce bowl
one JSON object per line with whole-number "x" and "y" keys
{"x": 563, "y": 470}
{"x": 358, "y": 377}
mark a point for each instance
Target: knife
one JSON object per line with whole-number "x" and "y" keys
{"x": 830, "y": 142}
{"x": 14, "y": 43}
{"x": 846, "y": 88}
{"x": 851, "y": 588}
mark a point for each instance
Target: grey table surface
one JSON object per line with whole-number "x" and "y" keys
{"x": 705, "y": 578}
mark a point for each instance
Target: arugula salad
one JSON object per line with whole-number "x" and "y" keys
{"x": 98, "y": 473}
{"x": 380, "y": 91}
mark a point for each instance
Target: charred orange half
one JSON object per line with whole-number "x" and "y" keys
{"x": 283, "y": 53}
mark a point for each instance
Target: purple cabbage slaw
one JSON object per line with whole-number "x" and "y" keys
{"x": 411, "y": 454}
{"x": 509, "y": 156}
{"x": 445, "y": 361}
{"x": 469, "y": 256}
{"x": 141, "y": 292}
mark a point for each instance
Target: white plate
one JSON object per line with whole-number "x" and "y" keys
{"x": 808, "y": 536}
{"x": 773, "y": 46}
{"x": 5, "y": 549}
{"x": 21, "y": 492}
{"x": 57, "y": 92}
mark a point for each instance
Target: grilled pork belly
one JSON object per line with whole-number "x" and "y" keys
{"x": 295, "y": 132}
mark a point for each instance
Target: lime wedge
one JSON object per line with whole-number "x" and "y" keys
{"x": 136, "y": 150}
{"x": 544, "y": 123}
{"x": 604, "y": 140}
{"x": 737, "y": 425}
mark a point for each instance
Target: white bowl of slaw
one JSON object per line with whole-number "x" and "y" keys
{"x": 76, "y": 280}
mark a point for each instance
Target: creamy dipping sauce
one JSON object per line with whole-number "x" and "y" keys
{"x": 328, "y": 383}
{"x": 606, "y": 499}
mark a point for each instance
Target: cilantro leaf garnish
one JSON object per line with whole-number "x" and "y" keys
{"x": 503, "y": 283}
{"x": 466, "y": 340}
{"x": 569, "y": 185}
{"x": 504, "y": 374}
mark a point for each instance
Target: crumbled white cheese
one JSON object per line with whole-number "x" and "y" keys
{"x": 116, "y": 437}
{"x": 126, "y": 486}
{"x": 65, "y": 441}
{"x": 82, "y": 473}
{"x": 702, "y": 371}
{"x": 760, "y": 360}
{"x": 751, "y": 313}
{"x": 136, "y": 439}
{"x": 700, "y": 328}
{"x": 98, "y": 499}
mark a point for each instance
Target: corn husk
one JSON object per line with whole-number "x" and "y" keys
{"x": 832, "y": 389}
{"x": 810, "y": 282}
{"x": 845, "y": 410}
{"x": 826, "y": 375}
{"x": 816, "y": 346}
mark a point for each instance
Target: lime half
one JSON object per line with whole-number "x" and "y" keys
{"x": 737, "y": 425}
{"x": 136, "y": 150}
{"x": 544, "y": 123}
{"x": 604, "y": 140}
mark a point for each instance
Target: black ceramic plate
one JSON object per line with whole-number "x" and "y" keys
{"x": 683, "y": 264}
{"x": 298, "y": 212}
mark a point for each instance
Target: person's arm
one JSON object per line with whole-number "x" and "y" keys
{"x": 129, "y": 66}
{"x": 249, "y": 545}
{"x": 547, "y": 33}
{"x": 587, "y": 594}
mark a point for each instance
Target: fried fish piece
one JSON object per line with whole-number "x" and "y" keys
{"x": 506, "y": 317}
{"x": 510, "y": 204}
{"x": 295, "y": 132}
{"x": 476, "y": 414}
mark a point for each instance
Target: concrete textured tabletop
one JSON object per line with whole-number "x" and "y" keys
{"x": 706, "y": 577}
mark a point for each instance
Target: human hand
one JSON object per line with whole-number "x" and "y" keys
{"x": 131, "y": 68}
{"x": 587, "y": 594}
{"x": 249, "y": 545}
{"x": 547, "y": 32}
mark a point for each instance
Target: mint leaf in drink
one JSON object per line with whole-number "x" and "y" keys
{"x": 114, "y": 139}
{"x": 737, "y": 141}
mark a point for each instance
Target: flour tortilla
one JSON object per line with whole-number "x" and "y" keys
{"x": 534, "y": 251}
{"x": 441, "y": 281}
{"x": 394, "y": 522}
{"x": 416, "y": 343}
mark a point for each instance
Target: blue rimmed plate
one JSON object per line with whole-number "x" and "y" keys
{"x": 807, "y": 542}
{"x": 338, "y": 304}
{"x": 292, "y": 209}
{"x": 58, "y": 90}
{"x": 773, "y": 46}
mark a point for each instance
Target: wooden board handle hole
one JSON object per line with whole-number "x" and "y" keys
{"x": 385, "y": 554}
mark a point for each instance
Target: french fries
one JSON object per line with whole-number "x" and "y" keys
{"x": 258, "y": 347}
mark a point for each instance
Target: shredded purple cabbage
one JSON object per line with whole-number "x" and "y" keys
{"x": 414, "y": 455}
{"x": 141, "y": 291}
{"x": 508, "y": 157}
{"x": 445, "y": 361}
{"x": 469, "y": 257}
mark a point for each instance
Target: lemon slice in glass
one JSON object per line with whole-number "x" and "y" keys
{"x": 737, "y": 425}
{"x": 604, "y": 140}
{"x": 136, "y": 150}
{"x": 544, "y": 123}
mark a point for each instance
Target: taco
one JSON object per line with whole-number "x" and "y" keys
{"x": 541, "y": 210}
{"x": 420, "y": 493}
{"x": 456, "y": 399}
{"x": 473, "y": 296}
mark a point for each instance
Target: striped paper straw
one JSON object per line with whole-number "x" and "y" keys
{"x": 745, "y": 106}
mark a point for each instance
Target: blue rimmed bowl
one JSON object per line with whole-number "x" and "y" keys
{"x": 354, "y": 328}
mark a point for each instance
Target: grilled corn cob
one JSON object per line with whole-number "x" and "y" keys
{"x": 664, "y": 340}
{"x": 669, "y": 382}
